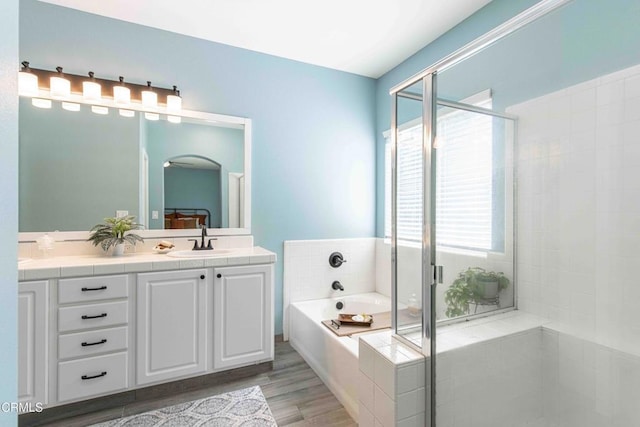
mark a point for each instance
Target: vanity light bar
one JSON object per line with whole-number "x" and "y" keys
{"x": 95, "y": 89}
{"x": 28, "y": 81}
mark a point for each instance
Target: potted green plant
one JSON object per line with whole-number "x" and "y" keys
{"x": 473, "y": 285}
{"x": 115, "y": 232}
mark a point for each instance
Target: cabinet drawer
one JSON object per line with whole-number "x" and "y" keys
{"x": 91, "y": 376}
{"x": 90, "y": 343}
{"x": 92, "y": 289}
{"x": 92, "y": 316}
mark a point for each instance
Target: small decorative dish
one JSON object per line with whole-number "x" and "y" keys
{"x": 158, "y": 250}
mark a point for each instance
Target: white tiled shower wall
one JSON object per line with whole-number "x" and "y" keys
{"x": 496, "y": 383}
{"x": 587, "y": 384}
{"x": 579, "y": 208}
{"x": 578, "y": 245}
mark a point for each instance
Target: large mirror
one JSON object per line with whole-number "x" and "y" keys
{"x": 78, "y": 167}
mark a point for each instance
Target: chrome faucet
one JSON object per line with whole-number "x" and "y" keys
{"x": 202, "y": 247}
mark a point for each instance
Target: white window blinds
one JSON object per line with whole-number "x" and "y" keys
{"x": 463, "y": 181}
{"x": 409, "y": 197}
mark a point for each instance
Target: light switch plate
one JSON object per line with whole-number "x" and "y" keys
{"x": 154, "y": 214}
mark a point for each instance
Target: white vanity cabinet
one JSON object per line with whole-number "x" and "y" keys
{"x": 142, "y": 321}
{"x": 171, "y": 324}
{"x": 242, "y": 315}
{"x": 92, "y": 324}
{"x": 33, "y": 299}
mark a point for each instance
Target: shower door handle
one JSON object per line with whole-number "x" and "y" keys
{"x": 438, "y": 274}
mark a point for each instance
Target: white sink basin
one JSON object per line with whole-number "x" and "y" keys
{"x": 201, "y": 254}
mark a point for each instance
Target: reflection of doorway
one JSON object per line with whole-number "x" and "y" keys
{"x": 236, "y": 200}
{"x": 144, "y": 190}
{"x": 192, "y": 187}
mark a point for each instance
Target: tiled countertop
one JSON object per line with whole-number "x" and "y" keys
{"x": 92, "y": 265}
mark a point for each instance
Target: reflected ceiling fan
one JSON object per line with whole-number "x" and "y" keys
{"x": 171, "y": 163}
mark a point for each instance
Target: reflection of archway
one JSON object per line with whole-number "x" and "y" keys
{"x": 192, "y": 192}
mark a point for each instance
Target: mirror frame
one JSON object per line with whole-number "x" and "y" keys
{"x": 31, "y": 236}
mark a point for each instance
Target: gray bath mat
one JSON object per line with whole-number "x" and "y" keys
{"x": 246, "y": 408}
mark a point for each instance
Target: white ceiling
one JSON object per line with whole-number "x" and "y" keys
{"x": 366, "y": 37}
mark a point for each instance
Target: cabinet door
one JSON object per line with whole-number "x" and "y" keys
{"x": 32, "y": 341}
{"x": 172, "y": 327}
{"x": 242, "y": 315}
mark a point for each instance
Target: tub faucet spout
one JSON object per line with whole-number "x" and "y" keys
{"x": 337, "y": 286}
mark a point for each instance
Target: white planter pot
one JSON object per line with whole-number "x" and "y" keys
{"x": 118, "y": 250}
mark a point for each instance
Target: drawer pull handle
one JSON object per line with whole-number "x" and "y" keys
{"x": 84, "y": 316}
{"x": 90, "y": 377}
{"x": 87, "y": 344}
{"x": 101, "y": 288}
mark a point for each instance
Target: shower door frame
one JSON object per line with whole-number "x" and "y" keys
{"x": 428, "y": 76}
{"x": 428, "y": 342}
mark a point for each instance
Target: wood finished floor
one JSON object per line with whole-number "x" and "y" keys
{"x": 295, "y": 394}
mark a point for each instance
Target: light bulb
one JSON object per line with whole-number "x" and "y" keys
{"x": 121, "y": 93}
{"x": 174, "y": 119}
{"x": 91, "y": 90}
{"x": 174, "y": 101}
{"x": 98, "y": 109}
{"x": 71, "y": 106}
{"x": 152, "y": 116}
{"x": 127, "y": 113}
{"x": 41, "y": 103}
{"x": 149, "y": 97}
{"x": 27, "y": 81}
{"x": 59, "y": 86}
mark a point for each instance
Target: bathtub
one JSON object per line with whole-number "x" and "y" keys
{"x": 333, "y": 358}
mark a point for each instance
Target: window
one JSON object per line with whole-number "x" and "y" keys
{"x": 409, "y": 198}
{"x": 464, "y": 180}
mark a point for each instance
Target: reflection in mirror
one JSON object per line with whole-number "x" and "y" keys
{"x": 181, "y": 146}
{"x": 77, "y": 168}
{"x": 192, "y": 193}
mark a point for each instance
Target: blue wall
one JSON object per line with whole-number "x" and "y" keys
{"x": 313, "y": 128}
{"x": 9, "y": 206}
{"x": 582, "y": 40}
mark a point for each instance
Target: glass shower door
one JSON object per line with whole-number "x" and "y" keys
{"x": 473, "y": 191}
{"x": 408, "y": 202}
{"x": 411, "y": 222}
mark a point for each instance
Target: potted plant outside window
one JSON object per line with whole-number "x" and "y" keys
{"x": 115, "y": 232}
{"x": 474, "y": 285}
